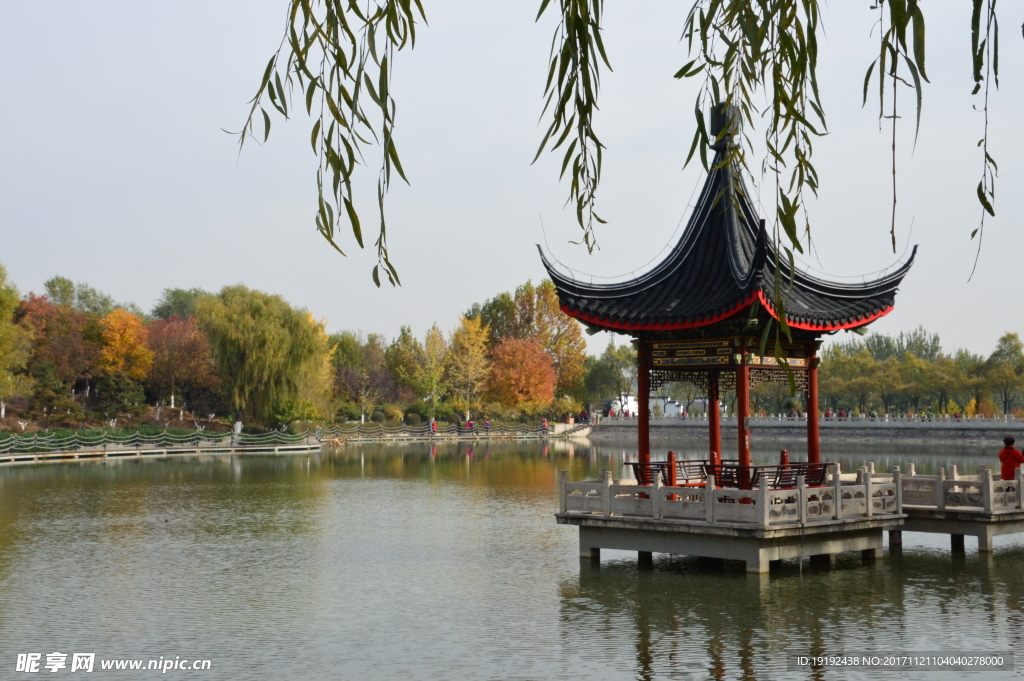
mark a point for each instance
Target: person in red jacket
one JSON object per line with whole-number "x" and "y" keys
{"x": 1011, "y": 458}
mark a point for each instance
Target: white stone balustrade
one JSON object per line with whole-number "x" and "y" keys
{"x": 765, "y": 508}
{"x": 982, "y": 493}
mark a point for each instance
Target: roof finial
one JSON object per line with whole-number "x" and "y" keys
{"x": 725, "y": 125}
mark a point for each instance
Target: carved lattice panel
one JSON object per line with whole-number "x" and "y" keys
{"x": 659, "y": 377}
{"x": 777, "y": 375}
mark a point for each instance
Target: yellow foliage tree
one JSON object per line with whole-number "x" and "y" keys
{"x": 316, "y": 379}
{"x": 467, "y": 363}
{"x": 124, "y": 349}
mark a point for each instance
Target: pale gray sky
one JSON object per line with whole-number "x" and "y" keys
{"x": 114, "y": 169}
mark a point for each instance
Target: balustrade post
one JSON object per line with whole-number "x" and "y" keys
{"x": 563, "y": 479}
{"x": 709, "y": 499}
{"x": 801, "y": 499}
{"x": 869, "y": 507}
{"x": 911, "y": 469}
{"x": 940, "y": 489}
{"x": 606, "y": 492}
{"x": 897, "y": 479}
{"x": 953, "y": 474}
{"x": 655, "y": 495}
{"x": 987, "y": 491}
{"x": 763, "y": 500}
{"x": 1019, "y": 477}
{"x": 837, "y": 492}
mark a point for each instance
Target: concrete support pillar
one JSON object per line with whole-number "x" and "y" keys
{"x": 645, "y": 559}
{"x": 587, "y": 549}
{"x": 985, "y": 542}
{"x": 956, "y": 542}
{"x": 813, "y": 438}
{"x": 895, "y": 538}
{"x": 757, "y": 561}
{"x": 714, "y": 421}
{"x": 870, "y": 556}
{"x": 643, "y": 398}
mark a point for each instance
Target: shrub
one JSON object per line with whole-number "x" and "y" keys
{"x": 348, "y": 411}
{"x": 413, "y": 419}
{"x": 393, "y": 414}
{"x": 378, "y": 417}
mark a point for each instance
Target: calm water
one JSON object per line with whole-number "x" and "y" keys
{"x": 412, "y": 563}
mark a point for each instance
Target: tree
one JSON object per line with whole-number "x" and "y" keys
{"x": 758, "y": 57}
{"x": 922, "y": 344}
{"x": 432, "y": 382}
{"x": 182, "y": 362}
{"x": 263, "y": 347}
{"x": 84, "y": 298}
{"x": 65, "y": 343}
{"x": 178, "y": 302}
{"x": 125, "y": 359}
{"x": 467, "y": 364}
{"x": 614, "y": 373}
{"x": 973, "y": 369}
{"x": 944, "y": 379}
{"x": 315, "y": 400}
{"x": 886, "y": 381}
{"x": 14, "y": 345}
{"x": 124, "y": 349}
{"x": 405, "y": 359}
{"x": 533, "y": 312}
{"x": 1005, "y": 370}
{"x": 915, "y": 379}
{"x": 361, "y": 374}
{"x": 522, "y": 375}
{"x": 118, "y": 393}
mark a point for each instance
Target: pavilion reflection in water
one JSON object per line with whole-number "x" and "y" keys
{"x": 746, "y": 626}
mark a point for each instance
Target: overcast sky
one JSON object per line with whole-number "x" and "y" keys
{"x": 114, "y": 169}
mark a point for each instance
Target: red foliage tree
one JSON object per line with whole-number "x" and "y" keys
{"x": 522, "y": 375}
{"x": 181, "y": 357}
{"x": 63, "y": 341}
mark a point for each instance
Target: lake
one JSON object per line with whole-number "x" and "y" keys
{"x": 413, "y": 562}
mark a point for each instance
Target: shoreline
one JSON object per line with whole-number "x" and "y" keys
{"x": 988, "y": 434}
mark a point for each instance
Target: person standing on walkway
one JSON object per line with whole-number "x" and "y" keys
{"x": 1011, "y": 458}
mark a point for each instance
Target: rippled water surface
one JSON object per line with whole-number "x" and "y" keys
{"x": 418, "y": 563}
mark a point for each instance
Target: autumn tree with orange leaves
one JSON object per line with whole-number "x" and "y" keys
{"x": 125, "y": 360}
{"x": 124, "y": 349}
{"x": 522, "y": 375}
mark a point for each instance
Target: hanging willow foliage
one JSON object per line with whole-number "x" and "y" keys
{"x": 337, "y": 53}
{"x": 757, "y": 55}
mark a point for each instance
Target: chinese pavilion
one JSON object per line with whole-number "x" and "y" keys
{"x": 700, "y": 314}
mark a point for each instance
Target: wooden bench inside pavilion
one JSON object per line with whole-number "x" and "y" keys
{"x": 703, "y": 315}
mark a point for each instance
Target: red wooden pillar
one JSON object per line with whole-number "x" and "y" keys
{"x": 714, "y": 421}
{"x": 813, "y": 439}
{"x": 643, "y": 395}
{"x": 742, "y": 412}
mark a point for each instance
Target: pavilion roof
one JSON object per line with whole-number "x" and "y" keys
{"x": 724, "y": 262}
